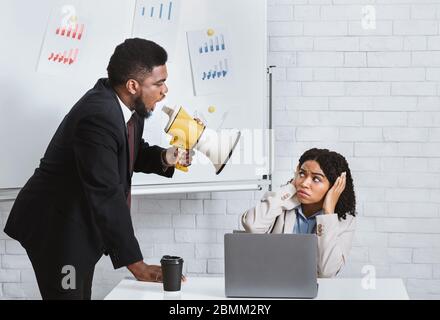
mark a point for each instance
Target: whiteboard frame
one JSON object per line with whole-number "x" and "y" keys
{"x": 11, "y": 193}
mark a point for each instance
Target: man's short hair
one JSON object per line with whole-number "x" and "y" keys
{"x": 135, "y": 59}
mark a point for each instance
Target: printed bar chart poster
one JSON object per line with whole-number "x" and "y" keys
{"x": 158, "y": 20}
{"x": 210, "y": 61}
{"x": 64, "y": 41}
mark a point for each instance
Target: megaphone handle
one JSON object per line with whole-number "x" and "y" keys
{"x": 176, "y": 144}
{"x": 178, "y": 166}
{"x": 181, "y": 168}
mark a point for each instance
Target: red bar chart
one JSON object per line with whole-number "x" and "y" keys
{"x": 67, "y": 57}
{"x": 73, "y": 31}
{"x": 65, "y": 42}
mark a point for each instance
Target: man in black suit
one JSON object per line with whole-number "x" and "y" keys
{"x": 76, "y": 206}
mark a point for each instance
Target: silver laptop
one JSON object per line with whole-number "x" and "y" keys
{"x": 271, "y": 265}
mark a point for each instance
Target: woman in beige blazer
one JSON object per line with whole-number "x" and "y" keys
{"x": 320, "y": 199}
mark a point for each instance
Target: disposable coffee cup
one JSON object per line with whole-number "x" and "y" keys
{"x": 171, "y": 273}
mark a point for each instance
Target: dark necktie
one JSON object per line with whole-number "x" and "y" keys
{"x": 131, "y": 129}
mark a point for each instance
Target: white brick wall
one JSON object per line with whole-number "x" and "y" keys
{"x": 372, "y": 95}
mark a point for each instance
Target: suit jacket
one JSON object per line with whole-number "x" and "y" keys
{"x": 275, "y": 214}
{"x": 74, "y": 207}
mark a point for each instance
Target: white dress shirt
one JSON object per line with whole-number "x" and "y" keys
{"x": 127, "y": 115}
{"x": 125, "y": 111}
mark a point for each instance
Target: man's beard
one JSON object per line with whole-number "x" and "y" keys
{"x": 140, "y": 109}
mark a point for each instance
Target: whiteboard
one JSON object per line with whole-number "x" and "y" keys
{"x": 36, "y": 95}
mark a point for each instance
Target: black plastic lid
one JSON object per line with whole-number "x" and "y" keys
{"x": 171, "y": 260}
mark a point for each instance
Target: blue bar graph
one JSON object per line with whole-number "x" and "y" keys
{"x": 162, "y": 12}
{"x": 214, "y": 44}
{"x": 217, "y": 72}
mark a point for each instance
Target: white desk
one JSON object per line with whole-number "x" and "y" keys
{"x": 208, "y": 288}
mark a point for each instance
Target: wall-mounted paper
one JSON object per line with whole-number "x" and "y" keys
{"x": 158, "y": 20}
{"x": 64, "y": 42}
{"x": 210, "y": 54}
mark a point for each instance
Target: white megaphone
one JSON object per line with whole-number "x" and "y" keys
{"x": 188, "y": 134}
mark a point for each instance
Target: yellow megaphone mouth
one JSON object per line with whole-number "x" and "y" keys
{"x": 185, "y": 131}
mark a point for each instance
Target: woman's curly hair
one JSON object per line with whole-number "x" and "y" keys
{"x": 333, "y": 164}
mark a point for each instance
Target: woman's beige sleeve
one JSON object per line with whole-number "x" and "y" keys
{"x": 261, "y": 218}
{"x": 335, "y": 238}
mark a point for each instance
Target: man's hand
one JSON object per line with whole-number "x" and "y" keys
{"x": 174, "y": 155}
{"x": 332, "y": 197}
{"x": 147, "y": 273}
